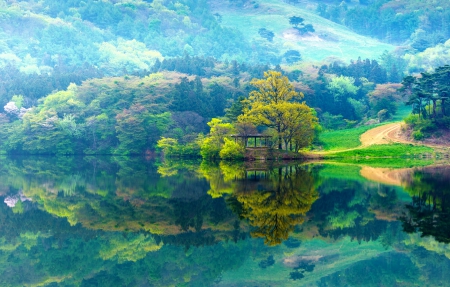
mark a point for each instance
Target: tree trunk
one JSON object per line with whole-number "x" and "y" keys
{"x": 420, "y": 107}
{"x": 279, "y": 138}
{"x": 434, "y": 109}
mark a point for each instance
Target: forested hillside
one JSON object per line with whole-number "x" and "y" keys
{"x": 97, "y": 77}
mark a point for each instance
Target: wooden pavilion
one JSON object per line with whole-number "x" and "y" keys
{"x": 251, "y": 140}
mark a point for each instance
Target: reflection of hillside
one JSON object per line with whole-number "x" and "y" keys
{"x": 429, "y": 212}
{"x": 349, "y": 205}
{"x": 125, "y": 196}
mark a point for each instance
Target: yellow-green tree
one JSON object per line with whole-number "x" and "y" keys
{"x": 275, "y": 104}
{"x": 213, "y": 143}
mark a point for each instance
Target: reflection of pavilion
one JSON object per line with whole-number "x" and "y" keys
{"x": 253, "y": 140}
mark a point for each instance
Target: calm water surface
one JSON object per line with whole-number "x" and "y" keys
{"x": 130, "y": 222}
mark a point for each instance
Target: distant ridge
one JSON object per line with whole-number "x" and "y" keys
{"x": 329, "y": 39}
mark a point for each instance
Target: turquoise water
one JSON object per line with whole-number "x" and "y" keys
{"x": 134, "y": 222}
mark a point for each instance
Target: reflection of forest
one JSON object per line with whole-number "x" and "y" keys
{"x": 123, "y": 195}
{"x": 429, "y": 212}
{"x": 122, "y": 222}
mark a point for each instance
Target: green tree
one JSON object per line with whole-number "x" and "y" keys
{"x": 273, "y": 105}
{"x": 232, "y": 150}
{"x": 295, "y": 21}
{"x": 212, "y": 144}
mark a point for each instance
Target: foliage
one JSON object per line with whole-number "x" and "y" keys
{"x": 342, "y": 87}
{"x": 391, "y": 150}
{"x": 231, "y": 150}
{"x": 429, "y": 59}
{"x": 211, "y": 145}
{"x": 394, "y": 21}
{"x": 385, "y": 96}
{"x": 428, "y": 210}
{"x": 428, "y": 96}
{"x": 272, "y": 105}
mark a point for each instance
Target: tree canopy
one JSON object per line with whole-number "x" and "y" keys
{"x": 275, "y": 105}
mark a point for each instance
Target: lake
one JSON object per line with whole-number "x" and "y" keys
{"x": 115, "y": 221}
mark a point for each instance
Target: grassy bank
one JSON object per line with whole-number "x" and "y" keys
{"x": 342, "y": 139}
{"x": 380, "y": 151}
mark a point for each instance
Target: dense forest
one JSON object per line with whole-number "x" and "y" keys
{"x": 130, "y": 133}
{"x": 115, "y": 77}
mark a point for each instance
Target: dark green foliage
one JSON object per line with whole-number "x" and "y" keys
{"x": 296, "y": 275}
{"x": 266, "y": 34}
{"x": 33, "y": 86}
{"x": 308, "y": 28}
{"x": 267, "y": 262}
{"x": 428, "y": 213}
{"x": 428, "y": 96}
{"x": 394, "y": 21}
{"x": 292, "y": 56}
{"x": 295, "y": 21}
{"x": 188, "y": 65}
{"x": 369, "y": 69}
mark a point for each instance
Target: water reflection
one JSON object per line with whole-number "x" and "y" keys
{"x": 429, "y": 212}
{"x": 131, "y": 222}
{"x": 274, "y": 201}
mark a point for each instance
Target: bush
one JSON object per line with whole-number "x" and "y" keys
{"x": 412, "y": 120}
{"x": 209, "y": 149}
{"x": 383, "y": 115}
{"x": 332, "y": 122}
{"x": 444, "y": 122}
{"x": 418, "y": 135}
{"x": 172, "y": 148}
{"x": 232, "y": 150}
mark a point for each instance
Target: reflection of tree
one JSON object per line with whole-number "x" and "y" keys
{"x": 277, "y": 204}
{"x": 429, "y": 212}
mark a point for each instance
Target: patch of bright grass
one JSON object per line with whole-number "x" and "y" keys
{"x": 388, "y": 150}
{"x": 343, "y": 139}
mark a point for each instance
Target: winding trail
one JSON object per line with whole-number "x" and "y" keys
{"x": 392, "y": 133}
{"x": 385, "y": 134}
{"x": 382, "y": 135}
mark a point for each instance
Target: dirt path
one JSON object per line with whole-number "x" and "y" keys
{"x": 386, "y": 134}
{"x": 383, "y": 135}
{"x": 392, "y": 133}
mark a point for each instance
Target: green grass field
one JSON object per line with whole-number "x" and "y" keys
{"x": 349, "y": 138}
{"x": 387, "y": 150}
{"x": 342, "y": 139}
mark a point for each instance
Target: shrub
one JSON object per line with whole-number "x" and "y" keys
{"x": 209, "y": 148}
{"x": 383, "y": 115}
{"x": 232, "y": 150}
{"x": 418, "y": 135}
{"x": 172, "y": 148}
{"x": 167, "y": 145}
{"x": 412, "y": 120}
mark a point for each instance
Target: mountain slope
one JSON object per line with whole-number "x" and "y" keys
{"x": 329, "y": 40}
